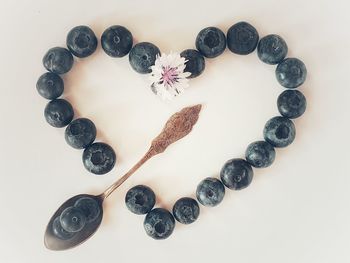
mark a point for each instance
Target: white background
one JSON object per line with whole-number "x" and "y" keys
{"x": 297, "y": 210}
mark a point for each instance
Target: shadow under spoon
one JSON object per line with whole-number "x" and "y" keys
{"x": 56, "y": 238}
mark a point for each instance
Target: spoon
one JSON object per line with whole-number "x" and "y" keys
{"x": 56, "y": 238}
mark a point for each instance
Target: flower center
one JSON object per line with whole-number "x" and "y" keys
{"x": 169, "y": 76}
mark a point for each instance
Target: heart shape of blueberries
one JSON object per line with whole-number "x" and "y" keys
{"x": 236, "y": 174}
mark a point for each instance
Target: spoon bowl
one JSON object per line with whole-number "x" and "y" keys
{"x": 54, "y": 242}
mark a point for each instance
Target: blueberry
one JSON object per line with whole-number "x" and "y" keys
{"x": 236, "y": 174}
{"x": 89, "y": 207}
{"x": 50, "y": 85}
{"x": 99, "y": 158}
{"x": 58, "y": 60}
{"x": 260, "y": 154}
{"x": 116, "y": 41}
{"x": 210, "y": 192}
{"x": 159, "y": 223}
{"x": 58, "y": 230}
{"x": 242, "y": 38}
{"x": 211, "y": 42}
{"x": 59, "y": 113}
{"x": 186, "y": 210}
{"x": 140, "y": 199}
{"x": 142, "y": 56}
{"x": 279, "y": 131}
{"x": 272, "y": 49}
{"x": 195, "y": 62}
{"x": 80, "y": 133}
{"x": 81, "y": 41}
{"x": 72, "y": 219}
{"x": 291, "y": 103}
{"x": 291, "y": 73}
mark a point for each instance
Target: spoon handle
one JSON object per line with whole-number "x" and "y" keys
{"x": 178, "y": 126}
{"x": 122, "y": 179}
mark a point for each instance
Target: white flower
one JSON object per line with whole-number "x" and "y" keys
{"x": 168, "y": 77}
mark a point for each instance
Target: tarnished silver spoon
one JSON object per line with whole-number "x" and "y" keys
{"x": 178, "y": 126}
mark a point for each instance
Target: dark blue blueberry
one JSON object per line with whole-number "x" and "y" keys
{"x": 72, "y": 219}
{"x": 50, "y": 85}
{"x": 260, "y": 154}
{"x": 186, "y": 210}
{"x": 236, "y": 174}
{"x": 140, "y": 199}
{"x": 116, "y": 41}
{"x": 142, "y": 56}
{"x": 58, "y": 230}
{"x": 195, "y": 62}
{"x": 99, "y": 158}
{"x": 211, "y": 42}
{"x": 58, "y": 60}
{"x": 80, "y": 133}
{"x": 59, "y": 113}
{"x": 89, "y": 207}
{"x": 242, "y": 38}
{"x": 272, "y": 49}
{"x": 159, "y": 223}
{"x": 210, "y": 192}
{"x": 81, "y": 41}
{"x": 279, "y": 131}
{"x": 291, "y": 103}
{"x": 291, "y": 73}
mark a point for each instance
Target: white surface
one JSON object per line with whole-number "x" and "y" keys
{"x": 295, "y": 211}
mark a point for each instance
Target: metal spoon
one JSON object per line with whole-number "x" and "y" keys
{"x": 177, "y": 127}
